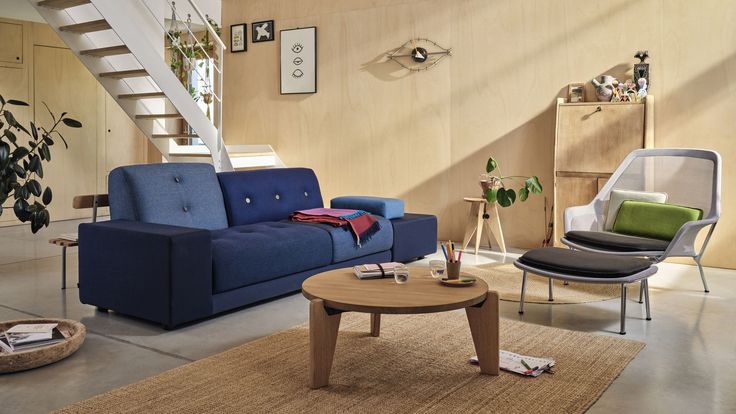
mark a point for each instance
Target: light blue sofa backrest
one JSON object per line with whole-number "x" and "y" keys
{"x": 178, "y": 194}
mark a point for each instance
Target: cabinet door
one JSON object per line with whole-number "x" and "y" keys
{"x": 570, "y": 192}
{"x": 14, "y": 85}
{"x": 65, "y": 85}
{"x": 595, "y": 141}
{"x": 11, "y": 35}
{"x": 125, "y": 144}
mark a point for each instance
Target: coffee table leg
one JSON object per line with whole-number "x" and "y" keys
{"x": 323, "y": 329}
{"x": 483, "y": 320}
{"x": 375, "y": 324}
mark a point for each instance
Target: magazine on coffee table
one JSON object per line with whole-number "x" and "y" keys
{"x": 376, "y": 271}
{"x": 522, "y": 364}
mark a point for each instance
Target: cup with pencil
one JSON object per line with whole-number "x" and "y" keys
{"x": 453, "y": 260}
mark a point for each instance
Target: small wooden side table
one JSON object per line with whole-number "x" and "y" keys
{"x": 64, "y": 243}
{"x": 483, "y": 217}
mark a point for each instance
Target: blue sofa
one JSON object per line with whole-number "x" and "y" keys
{"x": 185, "y": 243}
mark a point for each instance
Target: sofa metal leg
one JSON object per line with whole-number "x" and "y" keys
{"x": 702, "y": 274}
{"x": 523, "y": 291}
{"x": 645, "y": 287}
{"x": 623, "y": 309}
{"x": 551, "y": 298}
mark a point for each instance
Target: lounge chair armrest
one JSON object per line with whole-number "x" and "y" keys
{"x": 683, "y": 244}
{"x": 581, "y": 218}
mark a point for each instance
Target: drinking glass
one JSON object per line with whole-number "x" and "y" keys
{"x": 401, "y": 275}
{"x": 437, "y": 268}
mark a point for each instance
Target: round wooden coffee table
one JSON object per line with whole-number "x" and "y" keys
{"x": 337, "y": 291}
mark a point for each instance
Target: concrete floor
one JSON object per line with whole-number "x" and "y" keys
{"x": 686, "y": 367}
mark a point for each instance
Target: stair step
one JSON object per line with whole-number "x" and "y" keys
{"x": 174, "y": 136}
{"x": 135, "y": 73}
{"x": 159, "y": 116}
{"x": 144, "y": 95}
{"x": 86, "y": 27}
{"x": 62, "y": 4}
{"x": 106, "y": 51}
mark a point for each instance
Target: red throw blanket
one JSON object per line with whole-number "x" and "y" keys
{"x": 362, "y": 224}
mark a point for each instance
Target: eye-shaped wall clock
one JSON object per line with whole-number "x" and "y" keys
{"x": 419, "y": 54}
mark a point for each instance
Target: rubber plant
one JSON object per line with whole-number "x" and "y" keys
{"x": 21, "y": 166}
{"x": 497, "y": 191}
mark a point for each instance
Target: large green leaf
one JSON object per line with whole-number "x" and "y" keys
{"x": 503, "y": 197}
{"x": 34, "y": 187}
{"x": 523, "y": 193}
{"x": 491, "y": 195}
{"x": 17, "y": 102}
{"x": 35, "y": 163}
{"x": 4, "y": 155}
{"x": 47, "y": 196}
{"x": 72, "y": 123}
{"x": 491, "y": 165}
{"x": 511, "y": 194}
{"x": 533, "y": 184}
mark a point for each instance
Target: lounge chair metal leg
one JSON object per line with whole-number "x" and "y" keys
{"x": 623, "y": 309}
{"x": 645, "y": 287}
{"x": 551, "y": 298}
{"x": 702, "y": 274}
{"x": 641, "y": 291}
{"x": 523, "y": 291}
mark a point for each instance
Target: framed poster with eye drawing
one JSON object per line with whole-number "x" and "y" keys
{"x": 299, "y": 60}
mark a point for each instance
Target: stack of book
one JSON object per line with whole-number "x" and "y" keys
{"x": 376, "y": 271}
{"x": 522, "y": 364}
{"x": 23, "y": 337}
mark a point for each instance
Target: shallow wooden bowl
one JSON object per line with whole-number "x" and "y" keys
{"x": 38, "y": 357}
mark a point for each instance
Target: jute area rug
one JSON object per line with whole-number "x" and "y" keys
{"x": 506, "y": 280}
{"x": 417, "y": 365}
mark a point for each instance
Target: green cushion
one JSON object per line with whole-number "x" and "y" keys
{"x": 653, "y": 220}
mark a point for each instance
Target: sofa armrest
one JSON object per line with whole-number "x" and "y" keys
{"x": 390, "y": 208}
{"x": 156, "y": 272}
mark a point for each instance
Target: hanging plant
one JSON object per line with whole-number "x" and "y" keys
{"x": 21, "y": 166}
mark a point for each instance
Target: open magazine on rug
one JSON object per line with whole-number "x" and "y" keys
{"x": 522, "y": 364}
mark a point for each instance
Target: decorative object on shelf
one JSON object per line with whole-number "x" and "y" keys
{"x": 641, "y": 69}
{"x": 21, "y": 166}
{"x": 495, "y": 191}
{"x": 299, "y": 61}
{"x": 419, "y": 54}
{"x": 575, "y": 92}
{"x": 263, "y": 31}
{"x": 641, "y": 94}
{"x": 604, "y": 87}
{"x": 238, "y": 40}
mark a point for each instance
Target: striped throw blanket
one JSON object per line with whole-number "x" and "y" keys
{"x": 361, "y": 224}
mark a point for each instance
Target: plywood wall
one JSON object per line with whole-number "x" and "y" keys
{"x": 373, "y": 128}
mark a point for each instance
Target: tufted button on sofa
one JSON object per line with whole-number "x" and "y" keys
{"x": 185, "y": 243}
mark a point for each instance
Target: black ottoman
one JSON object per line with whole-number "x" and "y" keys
{"x": 415, "y": 236}
{"x": 587, "y": 267}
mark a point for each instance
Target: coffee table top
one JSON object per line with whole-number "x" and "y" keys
{"x": 341, "y": 290}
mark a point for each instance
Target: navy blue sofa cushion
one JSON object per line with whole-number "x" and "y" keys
{"x": 177, "y": 194}
{"x": 415, "y": 235}
{"x": 343, "y": 240}
{"x": 389, "y": 208}
{"x": 254, "y": 253}
{"x": 268, "y": 195}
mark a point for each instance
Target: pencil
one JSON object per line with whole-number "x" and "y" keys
{"x": 443, "y": 251}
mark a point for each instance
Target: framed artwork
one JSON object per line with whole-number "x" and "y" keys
{"x": 263, "y": 31}
{"x": 576, "y": 92}
{"x": 299, "y": 60}
{"x": 238, "y": 38}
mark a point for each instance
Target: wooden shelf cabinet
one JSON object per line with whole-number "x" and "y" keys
{"x": 591, "y": 140}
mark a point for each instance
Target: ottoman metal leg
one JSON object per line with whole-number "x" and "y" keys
{"x": 645, "y": 285}
{"x": 523, "y": 291}
{"x": 550, "y": 291}
{"x": 623, "y": 309}
{"x": 63, "y": 267}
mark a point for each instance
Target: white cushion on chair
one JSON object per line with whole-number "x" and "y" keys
{"x": 619, "y": 196}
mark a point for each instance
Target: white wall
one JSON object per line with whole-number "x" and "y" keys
{"x": 20, "y": 10}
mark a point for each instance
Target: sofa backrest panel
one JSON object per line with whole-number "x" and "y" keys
{"x": 178, "y": 194}
{"x": 268, "y": 195}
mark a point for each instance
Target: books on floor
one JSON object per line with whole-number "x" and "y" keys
{"x": 522, "y": 364}
{"x": 376, "y": 271}
{"x": 23, "y": 337}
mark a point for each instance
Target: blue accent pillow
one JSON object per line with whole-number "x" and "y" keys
{"x": 389, "y": 208}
